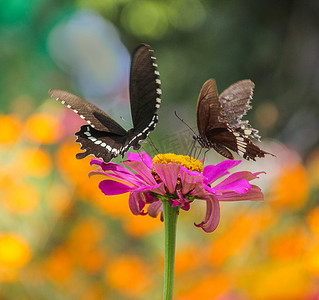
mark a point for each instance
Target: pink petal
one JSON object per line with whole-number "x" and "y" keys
{"x": 110, "y": 187}
{"x": 212, "y": 172}
{"x": 191, "y": 173}
{"x": 201, "y": 190}
{"x": 117, "y": 172}
{"x": 255, "y": 194}
{"x": 175, "y": 203}
{"x": 212, "y": 217}
{"x": 132, "y": 178}
{"x": 185, "y": 203}
{"x": 168, "y": 174}
{"x": 237, "y": 182}
{"x": 97, "y": 161}
{"x": 136, "y": 204}
{"x": 155, "y": 208}
{"x": 142, "y": 170}
{"x": 241, "y": 175}
{"x": 157, "y": 189}
{"x": 189, "y": 179}
{"x": 109, "y": 166}
{"x": 148, "y": 198}
{"x": 238, "y": 186}
{"x": 141, "y": 157}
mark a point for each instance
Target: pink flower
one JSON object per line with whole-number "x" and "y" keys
{"x": 179, "y": 180}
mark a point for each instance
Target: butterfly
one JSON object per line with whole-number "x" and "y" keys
{"x": 103, "y": 137}
{"x": 219, "y": 120}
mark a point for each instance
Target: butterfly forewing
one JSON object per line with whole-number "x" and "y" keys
{"x": 208, "y": 108}
{"x": 235, "y": 102}
{"x": 236, "y": 98}
{"x": 145, "y": 88}
{"x": 94, "y": 116}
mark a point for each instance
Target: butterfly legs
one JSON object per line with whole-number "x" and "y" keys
{"x": 191, "y": 149}
{"x": 155, "y": 150}
{"x": 204, "y": 158}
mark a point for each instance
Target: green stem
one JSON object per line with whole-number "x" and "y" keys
{"x": 170, "y": 221}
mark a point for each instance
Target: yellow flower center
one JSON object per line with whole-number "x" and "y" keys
{"x": 188, "y": 162}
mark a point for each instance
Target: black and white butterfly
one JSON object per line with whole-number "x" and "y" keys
{"x": 219, "y": 120}
{"x": 103, "y": 137}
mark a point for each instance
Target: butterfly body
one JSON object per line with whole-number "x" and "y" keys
{"x": 103, "y": 137}
{"x": 219, "y": 120}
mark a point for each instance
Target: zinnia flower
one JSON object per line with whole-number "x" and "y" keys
{"x": 178, "y": 179}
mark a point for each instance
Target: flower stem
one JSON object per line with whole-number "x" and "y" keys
{"x": 170, "y": 221}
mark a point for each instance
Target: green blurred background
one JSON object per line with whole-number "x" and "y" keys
{"x": 60, "y": 238}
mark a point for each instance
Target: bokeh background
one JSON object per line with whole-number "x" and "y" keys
{"x": 61, "y": 238}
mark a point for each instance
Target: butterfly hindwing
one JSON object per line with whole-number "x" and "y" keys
{"x": 101, "y": 144}
{"x": 237, "y": 142}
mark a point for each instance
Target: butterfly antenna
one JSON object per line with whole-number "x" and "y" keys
{"x": 184, "y": 122}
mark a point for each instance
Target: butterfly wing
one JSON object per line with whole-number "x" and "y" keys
{"x": 103, "y": 137}
{"x": 101, "y": 144}
{"x": 94, "y": 116}
{"x": 214, "y": 120}
{"x": 145, "y": 90}
{"x": 236, "y": 142}
{"x": 103, "y": 131}
{"x": 209, "y": 109}
{"x": 235, "y": 102}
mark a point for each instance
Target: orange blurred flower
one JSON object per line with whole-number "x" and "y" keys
{"x": 291, "y": 189}
{"x": 93, "y": 292}
{"x": 59, "y": 198}
{"x": 76, "y": 172}
{"x": 93, "y": 261}
{"x": 313, "y": 221}
{"x": 85, "y": 236}
{"x": 284, "y": 281}
{"x": 34, "y": 162}
{"x": 311, "y": 260}
{"x": 72, "y": 169}
{"x": 83, "y": 245}
{"x": 188, "y": 258}
{"x": 289, "y": 244}
{"x": 12, "y": 130}
{"x": 115, "y": 206}
{"x": 241, "y": 230}
{"x": 19, "y": 196}
{"x": 14, "y": 251}
{"x": 210, "y": 287}
{"x": 140, "y": 226}
{"x": 43, "y": 128}
{"x": 129, "y": 275}
{"x": 58, "y": 266}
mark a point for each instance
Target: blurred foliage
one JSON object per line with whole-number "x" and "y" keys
{"x": 61, "y": 238}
